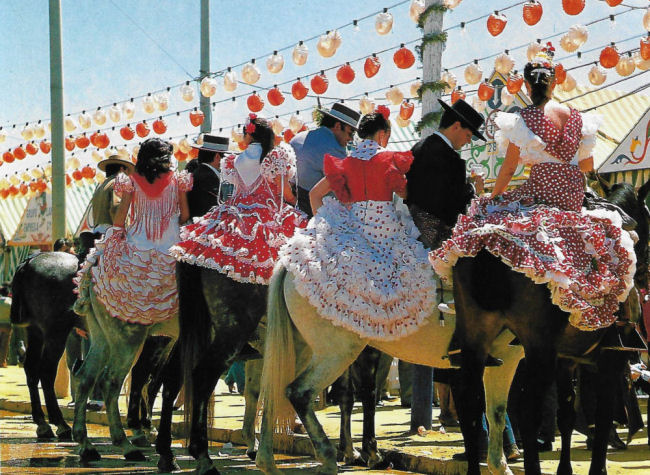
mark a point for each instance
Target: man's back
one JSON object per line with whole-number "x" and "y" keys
{"x": 310, "y": 147}
{"x": 205, "y": 190}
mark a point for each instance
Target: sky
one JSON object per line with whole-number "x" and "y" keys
{"x": 117, "y": 49}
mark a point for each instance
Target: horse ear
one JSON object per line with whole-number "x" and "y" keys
{"x": 603, "y": 183}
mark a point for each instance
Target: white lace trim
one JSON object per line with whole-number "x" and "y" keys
{"x": 513, "y": 128}
{"x": 590, "y": 124}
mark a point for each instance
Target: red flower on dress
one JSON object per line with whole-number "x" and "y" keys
{"x": 383, "y": 110}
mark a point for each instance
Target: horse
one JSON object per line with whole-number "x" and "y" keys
{"x": 510, "y": 300}
{"x": 300, "y": 361}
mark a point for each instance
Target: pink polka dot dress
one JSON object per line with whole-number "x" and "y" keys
{"x": 541, "y": 230}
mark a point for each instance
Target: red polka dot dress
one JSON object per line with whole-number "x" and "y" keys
{"x": 540, "y": 229}
{"x": 242, "y": 236}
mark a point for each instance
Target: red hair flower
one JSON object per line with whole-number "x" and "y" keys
{"x": 252, "y": 116}
{"x": 250, "y": 128}
{"x": 383, "y": 110}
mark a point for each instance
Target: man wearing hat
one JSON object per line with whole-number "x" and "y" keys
{"x": 336, "y": 128}
{"x": 207, "y": 177}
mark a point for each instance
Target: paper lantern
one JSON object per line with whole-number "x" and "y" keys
{"x": 159, "y": 126}
{"x": 236, "y": 136}
{"x": 504, "y": 63}
{"x": 275, "y": 96}
{"x": 533, "y": 49}
{"x": 597, "y": 76}
{"x": 300, "y": 54}
{"x": 646, "y": 19}
{"x": 371, "y": 66}
{"x": 514, "y": 83}
{"x": 477, "y": 103}
{"x": 640, "y": 63}
{"x": 68, "y": 180}
{"x": 573, "y": 7}
{"x": 644, "y": 47}
{"x": 366, "y": 106}
{"x": 128, "y": 109}
{"x": 148, "y": 104}
{"x": 23, "y": 189}
{"x": 24, "y": 176}
{"x": 196, "y": 117}
{"x": 329, "y": 43}
{"x": 69, "y": 144}
{"x": 275, "y": 63}
{"x": 560, "y": 74}
{"x": 383, "y": 22}
{"x": 208, "y": 86}
{"x": 184, "y": 145}
{"x": 68, "y": 124}
{"x": 473, "y": 73}
{"x": 567, "y": 45}
{"x": 295, "y": 123}
{"x": 19, "y": 153}
{"x": 277, "y": 126}
{"x": 578, "y": 34}
{"x": 457, "y": 94}
{"x": 127, "y": 132}
{"x": 123, "y": 152}
{"x": 142, "y": 129}
{"x": 485, "y": 91}
{"x": 134, "y": 152}
{"x": 416, "y": 9}
{"x": 451, "y": 4}
{"x": 115, "y": 113}
{"x": 319, "y": 83}
{"x": 345, "y": 74}
{"x": 88, "y": 172}
{"x": 402, "y": 122}
{"x": 85, "y": 121}
{"x": 532, "y": 12}
{"x": 254, "y": 103}
{"x": 45, "y": 146}
{"x": 496, "y": 23}
{"x": 72, "y": 163}
{"x": 414, "y": 89}
{"x": 39, "y": 130}
{"x": 288, "y": 135}
{"x": 14, "y": 180}
{"x": 103, "y": 141}
{"x": 76, "y": 175}
{"x": 82, "y": 141}
{"x": 613, "y": 3}
{"x": 625, "y": 65}
{"x": 403, "y": 57}
{"x": 230, "y": 81}
{"x": 406, "y": 110}
{"x": 27, "y": 133}
{"x": 609, "y": 57}
{"x": 450, "y": 78}
{"x": 109, "y": 151}
{"x": 99, "y": 117}
{"x": 162, "y": 100}
{"x": 31, "y": 149}
{"x": 299, "y": 90}
{"x": 506, "y": 97}
{"x": 569, "y": 84}
{"x": 187, "y": 92}
{"x": 249, "y": 73}
{"x": 394, "y": 95}
{"x": 96, "y": 156}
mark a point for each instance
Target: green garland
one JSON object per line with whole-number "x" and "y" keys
{"x": 429, "y": 120}
{"x": 428, "y": 11}
{"x": 430, "y": 38}
{"x": 435, "y": 86}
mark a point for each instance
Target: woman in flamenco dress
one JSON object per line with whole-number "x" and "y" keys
{"x": 241, "y": 237}
{"x": 359, "y": 262}
{"x": 540, "y": 229}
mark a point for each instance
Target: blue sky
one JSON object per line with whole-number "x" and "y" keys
{"x": 117, "y": 49}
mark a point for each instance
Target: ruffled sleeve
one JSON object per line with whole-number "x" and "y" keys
{"x": 590, "y": 124}
{"x": 123, "y": 184}
{"x": 185, "y": 180}
{"x": 335, "y": 174}
{"x": 396, "y": 172}
{"x": 279, "y": 161}
{"x": 228, "y": 172}
{"x": 512, "y": 128}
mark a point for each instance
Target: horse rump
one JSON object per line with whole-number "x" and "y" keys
{"x": 489, "y": 282}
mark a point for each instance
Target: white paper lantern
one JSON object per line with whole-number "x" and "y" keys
{"x": 208, "y": 86}
{"x": 641, "y": 64}
{"x": 236, "y": 136}
{"x": 451, "y": 3}
{"x": 99, "y": 117}
{"x": 96, "y": 156}
{"x": 473, "y": 73}
{"x": 14, "y": 180}
{"x": 230, "y": 81}
{"x": 123, "y": 153}
{"x": 69, "y": 124}
{"x": 3, "y": 136}
{"x": 85, "y": 121}
{"x": 567, "y": 44}
{"x": 99, "y": 176}
{"x": 184, "y": 145}
{"x": 625, "y": 65}
{"x": 109, "y": 151}
{"x": 277, "y": 126}
{"x": 366, "y": 106}
{"x": 39, "y": 130}
{"x": 148, "y": 105}
{"x": 395, "y": 96}
{"x": 477, "y": 103}
{"x": 134, "y": 151}
{"x": 300, "y": 54}
{"x": 47, "y": 170}
{"x": 27, "y": 133}
{"x": 504, "y": 63}
{"x": 597, "y": 75}
{"x": 295, "y": 123}
{"x": 115, "y": 113}
{"x": 506, "y": 97}
{"x": 414, "y": 88}
{"x": 569, "y": 83}
{"x": 128, "y": 109}
{"x": 646, "y": 19}
{"x": 25, "y": 176}
{"x": 72, "y": 163}
{"x": 383, "y": 22}
{"x": 250, "y": 74}
{"x": 275, "y": 63}
{"x": 450, "y": 79}
{"x": 162, "y": 100}
{"x": 401, "y": 122}
{"x": 416, "y": 9}
{"x": 37, "y": 173}
{"x": 4, "y": 184}
{"x": 329, "y": 43}
{"x": 532, "y": 50}
{"x": 187, "y": 92}
{"x": 578, "y": 34}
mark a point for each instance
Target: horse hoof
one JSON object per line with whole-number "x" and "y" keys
{"x": 44, "y": 432}
{"x": 251, "y": 454}
{"x": 380, "y": 465}
{"x": 65, "y": 434}
{"x": 89, "y": 455}
{"x": 141, "y": 441}
{"x": 135, "y": 456}
{"x": 168, "y": 465}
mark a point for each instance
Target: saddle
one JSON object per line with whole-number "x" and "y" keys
{"x": 593, "y": 202}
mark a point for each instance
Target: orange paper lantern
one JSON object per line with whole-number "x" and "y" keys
{"x": 560, "y": 74}
{"x": 82, "y": 141}
{"x": 299, "y": 90}
{"x": 345, "y": 74}
{"x": 193, "y": 153}
{"x": 45, "y": 146}
{"x": 515, "y": 81}
{"x": 254, "y": 103}
{"x": 23, "y": 189}
{"x": 406, "y": 110}
{"x": 180, "y": 156}
{"x": 76, "y": 175}
{"x": 609, "y": 57}
{"x": 31, "y": 149}
{"x": 68, "y": 180}
{"x": 532, "y": 12}
{"x": 457, "y": 94}
{"x": 127, "y": 132}
{"x": 644, "y": 47}
{"x": 288, "y": 135}
{"x": 8, "y": 157}
{"x": 196, "y": 117}
{"x": 319, "y": 83}
{"x": 573, "y": 7}
{"x": 403, "y": 57}
{"x": 103, "y": 141}
{"x": 69, "y": 144}
{"x": 93, "y": 138}
{"x": 19, "y": 153}
{"x": 142, "y": 129}
{"x": 485, "y": 91}
{"x": 496, "y": 23}
{"x": 88, "y": 172}
{"x": 4, "y": 194}
{"x": 159, "y": 126}
{"x": 275, "y": 96}
{"x": 13, "y": 190}
{"x": 371, "y": 66}
{"x": 613, "y": 3}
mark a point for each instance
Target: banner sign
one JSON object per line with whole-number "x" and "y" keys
{"x": 35, "y": 225}
{"x": 632, "y": 153}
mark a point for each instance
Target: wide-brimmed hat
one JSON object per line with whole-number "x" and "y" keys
{"x": 467, "y": 114}
{"x": 115, "y": 160}
{"x": 212, "y": 143}
{"x": 343, "y": 113}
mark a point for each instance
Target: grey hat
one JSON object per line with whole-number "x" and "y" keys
{"x": 343, "y": 113}
{"x": 213, "y": 143}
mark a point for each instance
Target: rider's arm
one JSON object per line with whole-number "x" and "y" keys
{"x": 185, "y": 208}
{"x": 507, "y": 170}
{"x": 287, "y": 192}
{"x": 317, "y": 193}
{"x": 122, "y": 210}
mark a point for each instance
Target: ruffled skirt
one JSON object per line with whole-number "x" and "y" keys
{"x": 135, "y": 285}
{"x": 361, "y": 266}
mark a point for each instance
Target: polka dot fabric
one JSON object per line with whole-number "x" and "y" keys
{"x": 562, "y": 144}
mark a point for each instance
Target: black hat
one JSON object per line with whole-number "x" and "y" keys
{"x": 213, "y": 143}
{"x": 467, "y": 114}
{"x": 343, "y": 113}
{"x": 115, "y": 160}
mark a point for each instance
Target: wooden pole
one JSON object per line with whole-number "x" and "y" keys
{"x": 206, "y": 126}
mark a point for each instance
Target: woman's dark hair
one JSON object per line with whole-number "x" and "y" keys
{"x": 370, "y": 124}
{"x": 540, "y": 79}
{"x": 62, "y": 243}
{"x": 154, "y": 158}
{"x": 263, "y": 135}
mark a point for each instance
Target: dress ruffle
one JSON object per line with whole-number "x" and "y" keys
{"x": 361, "y": 266}
{"x": 512, "y": 128}
{"x": 591, "y": 122}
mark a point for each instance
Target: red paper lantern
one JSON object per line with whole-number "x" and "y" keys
{"x": 560, "y": 74}
{"x": 88, "y": 172}
{"x": 457, "y": 94}
{"x": 345, "y": 74}
{"x": 299, "y": 90}
{"x": 82, "y": 141}
{"x": 609, "y": 57}
{"x": 13, "y": 190}
{"x": 277, "y": 140}
{"x": 68, "y": 180}
{"x": 69, "y": 144}
{"x": 406, "y": 110}
{"x": 33, "y": 186}
{"x": 8, "y": 157}
{"x": 532, "y": 12}
{"x": 4, "y": 194}
{"x": 254, "y": 103}
{"x": 76, "y": 175}
{"x": 23, "y": 189}
{"x": 573, "y": 7}
{"x": 45, "y": 146}
{"x": 127, "y": 132}
{"x": 275, "y": 96}
{"x": 287, "y": 135}
{"x": 485, "y": 91}
{"x": 496, "y": 22}
{"x": 645, "y": 48}
{"x": 613, "y": 3}
{"x": 371, "y": 66}
{"x": 19, "y": 153}
{"x": 159, "y": 126}
{"x": 31, "y": 149}
{"x": 41, "y": 186}
{"x": 93, "y": 138}
{"x": 180, "y": 156}
{"x": 103, "y": 141}
{"x": 403, "y": 58}
{"x": 196, "y": 117}
{"x": 142, "y": 129}
{"x": 193, "y": 153}
{"x": 319, "y": 83}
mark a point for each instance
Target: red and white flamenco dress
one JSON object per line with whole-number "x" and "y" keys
{"x": 541, "y": 230}
{"x": 241, "y": 237}
{"x": 132, "y": 271}
{"x": 359, "y": 262}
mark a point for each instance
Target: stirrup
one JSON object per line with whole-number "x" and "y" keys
{"x": 447, "y": 307}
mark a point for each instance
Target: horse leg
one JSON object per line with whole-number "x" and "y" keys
{"x": 251, "y": 396}
{"x": 52, "y": 353}
{"x": 346, "y": 451}
{"x": 33, "y": 359}
{"x": 566, "y": 414}
{"x": 137, "y": 407}
{"x": 172, "y": 383}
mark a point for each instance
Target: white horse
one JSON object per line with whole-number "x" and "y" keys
{"x": 304, "y": 353}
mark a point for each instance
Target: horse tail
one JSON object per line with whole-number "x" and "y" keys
{"x": 279, "y": 357}
{"x": 494, "y": 293}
